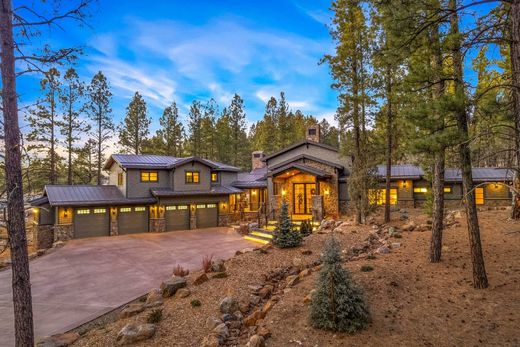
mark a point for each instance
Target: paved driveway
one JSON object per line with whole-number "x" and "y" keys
{"x": 87, "y": 278}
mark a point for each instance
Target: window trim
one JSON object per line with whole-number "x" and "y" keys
{"x": 120, "y": 179}
{"x": 216, "y": 179}
{"x": 192, "y": 177}
{"x": 149, "y": 172}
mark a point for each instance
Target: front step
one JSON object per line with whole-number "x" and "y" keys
{"x": 256, "y": 239}
{"x": 259, "y": 235}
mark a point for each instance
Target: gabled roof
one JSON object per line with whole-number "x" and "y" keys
{"x": 298, "y": 144}
{"x": 254, "y": 179}
{"x": 480, "y": 174}
{"x": 88, "y": 195}
{"x": 306, "y": 156}
{"x": 301, "y": 167}
{"x": 150, "y": 161}
{"x": 401, "y": 171}
{"x": 216, "y": 190}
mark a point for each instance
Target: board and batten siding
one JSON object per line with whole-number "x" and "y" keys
{"x": 226, "y": 178}
{"x": 179, "y": 184}
{"x": 137, "y": 189}
{"x": 114, "y": 171}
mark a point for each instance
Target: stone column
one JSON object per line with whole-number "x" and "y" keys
{"x": 43, "y": 236}
{"x": 63, "y": 232}
{"x": 114, "y": 227}
{"x": 317, "y": 207}
{"x": 193, "y": 217}
{"x": 157, "y": 225}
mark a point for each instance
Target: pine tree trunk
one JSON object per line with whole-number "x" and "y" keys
{"x": 479, "y": 270}
{"x": 389, "y": 124}
{"x": 438, "y": 208}
{"x": 69, "y": 144}
{"x": 22, "y": 301}
{"x": 53, "y": 140}
{"x": 99, "y": 149}
{"x": 515, "y": 67}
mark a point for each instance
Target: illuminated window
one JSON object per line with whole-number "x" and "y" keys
{"x": 100, "y": 210}
{"x": 214, "y": 177}
{"x": 83, "y": 211}
{"x": 420, "y": 190}
{"x": 192, "y": 177}
{"x": 201, "y": 206}
{"x": 149, "y": 176}
{"x": 125, "y": 209}
{"x": 182, "y": 207}
{"x": 378, "y": 196}
{"x": 479, "y": 196}
{"x": 171, "y": 208}
{"x": 211, "y": 205}
{"x": 120, "y": 179}
{"x": 139, "y": 209}
{"x": 447, "y": 189}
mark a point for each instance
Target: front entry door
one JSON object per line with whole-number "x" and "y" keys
{"x": 302, "y": 197}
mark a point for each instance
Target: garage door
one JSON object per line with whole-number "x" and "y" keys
{"x": 177, "y": 217}
{"x": 207, "y": 215}
{"x": 91, "y": 222}
{"x": 132, "y": 220}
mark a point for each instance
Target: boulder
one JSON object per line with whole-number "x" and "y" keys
{"x": 253, "y": 318}
{"x": 403, "y": 216}
{"x": 200, "y": 279}
{"x": 218, "y": 266}
{"x": 268, "y": 306}
{"x": 254, "y": 300}
{"x": 212, "y": 322}
{"x": 131, "y": 310}
{"x": 392, "y": 231}
{"x": 265, "y": 291}
{"x": 222, "y": 331}
{"x": 383, "y": 250}
{"x": 255, "y": 341}
{"x": 171, "y": 286}
{"x": 182, "y": 293}
{"x": 132, "y": 333}
{"x": 297, "y": 262}
{"x": 410, "y": 226}
{"x": 264, "y": 332}
{"x": 154, "y": 298}
{"x": 59, "y": 340}
{"x": 229, "y": 305}
{"x": 292, "y": 280}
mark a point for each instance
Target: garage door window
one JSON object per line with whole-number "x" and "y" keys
{"x": 140, "y": 209}
{"x": 171, "y": 208}
{"x": 125, "y": 209}
{"x": 182, "y": 207}
{"x": 211, "y": 205}
{"x": 83, "y": 211}
{"x": 100, "y": 210}
{"x": 201, "y": 206}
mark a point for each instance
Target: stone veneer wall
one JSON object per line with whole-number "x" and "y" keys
{"x": 63, "y": 232}
{"x": 157, "y": 225}
{"x": 193, "y": 218}
{"x": 114, "y": 227}
{"x": 43, "y": 236}
{"x": 223, "y": 219}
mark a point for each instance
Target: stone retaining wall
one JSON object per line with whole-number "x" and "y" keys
{"x": 43, "y": 236}
{"x": 63, "y": 232}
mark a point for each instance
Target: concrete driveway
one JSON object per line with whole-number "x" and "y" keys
{"x": 87, "y": 278}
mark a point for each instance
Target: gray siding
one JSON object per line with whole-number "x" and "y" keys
{"x": 314, "y": 151}
{"x": 46, "y": 215}
{"x": 456, "y": 191}
{"x": 137, "y": 189}
{"x": 179, "y": 181}
{"x": 226, "y": 178}
{"x": 343, "y": 191}
{"x": 115, "y": 169}
{"x": 498, "y": 192}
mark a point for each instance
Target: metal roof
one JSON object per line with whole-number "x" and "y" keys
{"x": 298, "y": 144}
{"x": 301, "y": 167}
{"x": 150, "y": 161}
{"x": 401, "y": 171}
{"x": 309, "y": 157}
{"x": 89, "y": 195}
{"x": 217, "y": 190}
{"x": 480, "y": 174}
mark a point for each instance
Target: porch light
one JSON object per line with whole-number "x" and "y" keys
{"x": 327, "y": 192}
{"x": 283, "y": 192}
{"x": 496, "y": 185}
{"x": 253, "y": 192}
{"x": 35, "y": 210}
{"x": 404, "y": 184}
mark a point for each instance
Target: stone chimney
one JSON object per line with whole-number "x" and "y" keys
{"x": 313, "y": 133}
{"x": 256, "y": 160}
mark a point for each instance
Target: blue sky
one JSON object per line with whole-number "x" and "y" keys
{"x": 183, "y": 51}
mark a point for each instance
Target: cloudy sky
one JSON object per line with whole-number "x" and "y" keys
{"x": 194, "y": 50}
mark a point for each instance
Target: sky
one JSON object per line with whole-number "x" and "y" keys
{"x": 196, "y": 50}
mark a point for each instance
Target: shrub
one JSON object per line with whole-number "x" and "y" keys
{"x": 305, "y": 228}
{"x": 195, "y": 303}
{"x": 178, "y": 270}
{"x": 155, "y": 316}
{"x": 366, "y": 268}
{"x": 284, "y": 236}
{"x": 338, "y": 303}
{"x": 207, "y": 262}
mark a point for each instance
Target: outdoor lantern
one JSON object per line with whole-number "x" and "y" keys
{"x": 283, "y": 192}
{"x": 327, "y": 192}
{"x": 404, "y": 184}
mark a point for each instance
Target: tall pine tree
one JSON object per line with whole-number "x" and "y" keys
{"x": 136, "y": 126}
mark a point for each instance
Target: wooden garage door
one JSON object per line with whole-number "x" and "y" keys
{"x": 177, "y": 217}
{"x": 91, "y": 222}
{"x": 132, "y": 220}
{"x": 207, "y": 215}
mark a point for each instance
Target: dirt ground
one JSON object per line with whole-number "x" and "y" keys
{"x": 412, "y": 302}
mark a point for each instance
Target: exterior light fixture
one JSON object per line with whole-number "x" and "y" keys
{"x": 327, "y": 192}
{"x": 283, "y": 192}
{"x": 253, "y": 192}
{"x": 496, "y": 185}
{"x": 404, "y": 184}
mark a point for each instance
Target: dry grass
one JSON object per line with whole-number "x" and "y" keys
{"x": 207, "y": 262}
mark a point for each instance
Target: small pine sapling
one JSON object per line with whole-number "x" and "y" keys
{"x": 305, "y": 228}
{"x": 284, "y": 236}
{"x": 338, "y": 303}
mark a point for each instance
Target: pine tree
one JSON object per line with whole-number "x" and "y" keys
{"x": 172, "y": 131}
{"x": 85, "y": 166}
{"x": 207, "y": 130}
{"x": 224, "y": 143}
{"x": 237, "y": 124}
{"x": 136, "y": 125}
{"x": 99, "y": 111}
{"x": 284, "y": 235}
{"x": 72, "y": 126}
{"x": 195, "y": 128}
{"x": 337, "y": 304}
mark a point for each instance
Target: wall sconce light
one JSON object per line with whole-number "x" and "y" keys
{"x": 496, "y": 185}
{"x": 404, "y": 184}
{"x": 327, "y": 192}
{"x": 283, "y": 192}
{"x": 253, "y": 192}
{"x": 35, "y": 210}
{"x": 223, "y": 205}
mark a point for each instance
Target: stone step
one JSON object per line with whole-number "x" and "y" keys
{"x": 261, "y": 234}
{"x": 256, "y": 239}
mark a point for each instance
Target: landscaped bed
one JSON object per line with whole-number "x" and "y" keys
{"x": 412, "y": 302}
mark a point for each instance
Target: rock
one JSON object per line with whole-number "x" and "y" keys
{"x": 423, "y": 227}
{"x": 58, "y": 340}
{"x": 212, "y": 322}
{"x": 297, "y": 262}
{"x": 132, "y": 333}
{"x": 392, "y": 231}
{"x": 220, "y": 275}
{"x": 268, "y": 306}
{"x": 306, "y": 252}
{"x": 458, "y": 214}
{"x": 383, "y": 250}
{"x": 210, "y": 341}
{"x": 403, "y": 216}
{"x": 396, "y": 245}
{"x": 183, "y": 293}
{"x": 226, "y": 317}
{"x": 200, "y": 279}
{"x": 253, "y": 318}
{"x": 229, "y": 305}
{"x": 255, "y": 341}
{"x": 308, "y": 298}
{"x": 264, "y": 332}
{"x": 265, "y": 291}
{"x": 254, "y": 300}
{"x": 359, "y": 247}
{"x": 222, "y": 331}
{"x": 244, "y": 306}
{"x": 171, "y": 286}
{"x": 304, "y": 273}
{"x": 131, "y": 310}
{"x": 410, "y": 226}
{"x": 254, "y": 288}
{"x": 218, "y": 266}
{"x": 292, "y": 280}
{"x": 154, "y": 298}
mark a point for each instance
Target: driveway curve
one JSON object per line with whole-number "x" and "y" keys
{"x": 89, "y": 277}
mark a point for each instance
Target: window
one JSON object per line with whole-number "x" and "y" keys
{"x": 214, "y": 177}
{"x": 312, "y": 131}
{"x": 149, "y": 176}
{"x": 83, "y": 211}
{"x": 171, "y": 208}
{"x": 211, "y": 205}
{"x": 479, "y": 196}
{"x": 64, "y": 215}
{"x": 125, "y": 209}
{"x": 201, "y": 206}
{"x": 139, "y": 209}
{"x": 447, "y": 189}
{"x": 192, "y": 177}
{"x": 100, "y": 210}
{"x": 182, "y": 207}
{"x": 257, "y": 155}
{"x": 378, "y": 196}
{"x": 120, "y": 179}
{"x": 420, "y": 190}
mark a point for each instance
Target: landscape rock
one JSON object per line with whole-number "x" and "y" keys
{"x": 253, "y": 318}
{"x": 183, "y": 293}
{"x": 132, "y": 333}
{"x": 297, "y": 262}
{"x": 222, "y": 331}
{"x": 292, "y": 280}
{"x": 264, "y": 332}
{"x": 170, "y": 287}
{"x": 255, "y": 341}
{"x": 410, "y": 226}
{"x": 403, "y": 216}
{"x": 304, "y": 273}
{"x": 268, "y": 306}
{"x": 383, "y": 250}
{"x": 59, "y": 340}
{"x": 254, "y": 300}
{"x": 212, "y": 322}
{"x": 218, "y": 266}
{"x": 200, "y": 279}
{"x": 220, "y": 275}
{"x": 396, "y": 245}
{"x": 229, "y": 305}
{"x": 210, "y": 341}
{"x": 392, "y": 231}
{"x": 154, "y": 298}
{"x": 131, "y": 310}
{"x": 265, "y": 291}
